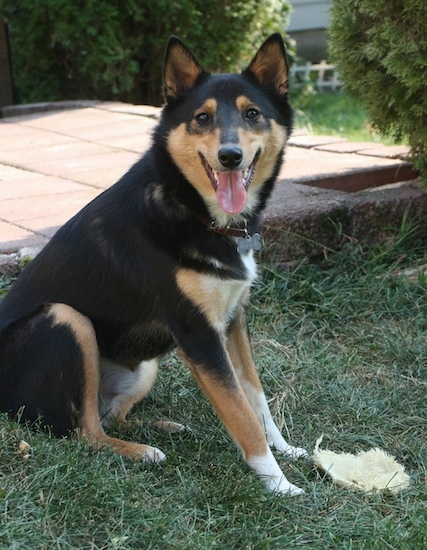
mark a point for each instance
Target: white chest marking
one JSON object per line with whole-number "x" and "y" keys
{"x": 216, "y": 297}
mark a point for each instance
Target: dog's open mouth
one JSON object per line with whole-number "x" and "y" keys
{"x": 231, "y": 187}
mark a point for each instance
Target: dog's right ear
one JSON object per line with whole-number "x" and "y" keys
{"x": 181, "y": 69}
{"x": 269, "y": 67}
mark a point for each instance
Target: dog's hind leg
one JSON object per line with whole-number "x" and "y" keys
{"x": 49, "y": 365}
{"x": 89, "y": 425}
{"x": 121, "y": 387}
{"x": 241, "y": 356}
{"x": 41, "y": 370}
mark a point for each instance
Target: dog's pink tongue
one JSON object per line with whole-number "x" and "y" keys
{"x": 231, "y": 192}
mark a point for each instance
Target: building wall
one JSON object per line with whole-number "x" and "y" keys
{"x": 308, "y": 22}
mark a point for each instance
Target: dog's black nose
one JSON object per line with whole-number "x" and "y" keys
{"x": 230, "y": 156}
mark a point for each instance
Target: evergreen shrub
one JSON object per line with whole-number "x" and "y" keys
{"x": 380, "y": 50}
{"x": 113, "y": 49}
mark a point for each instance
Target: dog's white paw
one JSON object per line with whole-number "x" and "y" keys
{"x": 171, "y": 427}
{"x": 281, "y": 446}
{"x": 153, "y": 455}
{"x": 288, "y": 489}
{"x": 278, "y": 442}
{"x": 271, "y": 474}
{"x": 129, "y": 449}
{"x": 294, "y": 452}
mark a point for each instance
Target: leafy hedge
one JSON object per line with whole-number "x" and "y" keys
{"x": 380, "y": 49}
{"x": 113, "y": 49}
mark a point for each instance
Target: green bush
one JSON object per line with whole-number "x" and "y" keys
{"x": 113, "y": 49}
{"x": 380, "y": 49}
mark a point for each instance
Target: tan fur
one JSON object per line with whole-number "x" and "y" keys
{"x": 243, "y": 103}
{"x": 271, "y": 144}
{"x": 126, "y": 407}
{"x": 234, "y": 410}
{"x": 210, "y": 107}
{"x": 183, "y": 72}
{"x": 184, "y": 148}
{"x": 170, "y": 427}
{"x": 90, "y": 427}
{"x": 239, "y": 348}
{"x": 271, "y": 67}
{"x": 216, "y": 298}
{"x": 85, "y": 336}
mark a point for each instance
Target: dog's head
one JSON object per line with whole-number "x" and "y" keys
{"x": 228, "y": 130}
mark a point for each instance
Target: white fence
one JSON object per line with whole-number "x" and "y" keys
{"x": 322, "y": 74}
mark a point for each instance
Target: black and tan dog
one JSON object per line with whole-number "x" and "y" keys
{"x": 162, "y": 259}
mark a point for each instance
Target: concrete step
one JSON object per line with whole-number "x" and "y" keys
{"x": 307, "y": 222}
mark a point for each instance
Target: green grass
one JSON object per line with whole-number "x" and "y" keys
{"x": 336, "y": 114}
{"x": 342, "y": 350}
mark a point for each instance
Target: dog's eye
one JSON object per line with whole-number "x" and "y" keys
{"x": 202, "y": 118}
{"x": 252, "y": 114}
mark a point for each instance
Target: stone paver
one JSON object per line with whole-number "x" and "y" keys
{"x": 39, "y": 207}
{"x": 14, "y": 238}
{"x": 345, "y": 171}
{"x": 347, "y": 146}
{"x": 36, "y": 185}
{"x": 387, "y": 151}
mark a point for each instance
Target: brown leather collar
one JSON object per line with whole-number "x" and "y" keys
{"x": 228, "y": 230}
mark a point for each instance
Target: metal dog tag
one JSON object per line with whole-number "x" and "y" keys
{"x": 244, "y": 244}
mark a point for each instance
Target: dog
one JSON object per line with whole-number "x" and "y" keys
{"x": 163, "y": 259}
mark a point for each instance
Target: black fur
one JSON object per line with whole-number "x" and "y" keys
{"x": 115, "y": 262}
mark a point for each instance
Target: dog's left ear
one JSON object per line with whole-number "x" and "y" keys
{"x": 181, "y": 69}
{"x": 269, "y": 67}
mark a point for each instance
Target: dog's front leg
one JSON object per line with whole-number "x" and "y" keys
{"x": 241, "y": 356}
{"x": 223, "y": 389}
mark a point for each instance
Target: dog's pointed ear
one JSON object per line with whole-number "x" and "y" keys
{"x": 269, "y": 67}
{"x": 181, "y": 69}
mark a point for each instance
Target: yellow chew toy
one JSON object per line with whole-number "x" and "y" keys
{"x": 372, "y": 470}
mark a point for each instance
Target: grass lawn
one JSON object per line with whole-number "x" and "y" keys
{"x": 341, "y": 349}
{"x": 337, "y": 113}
